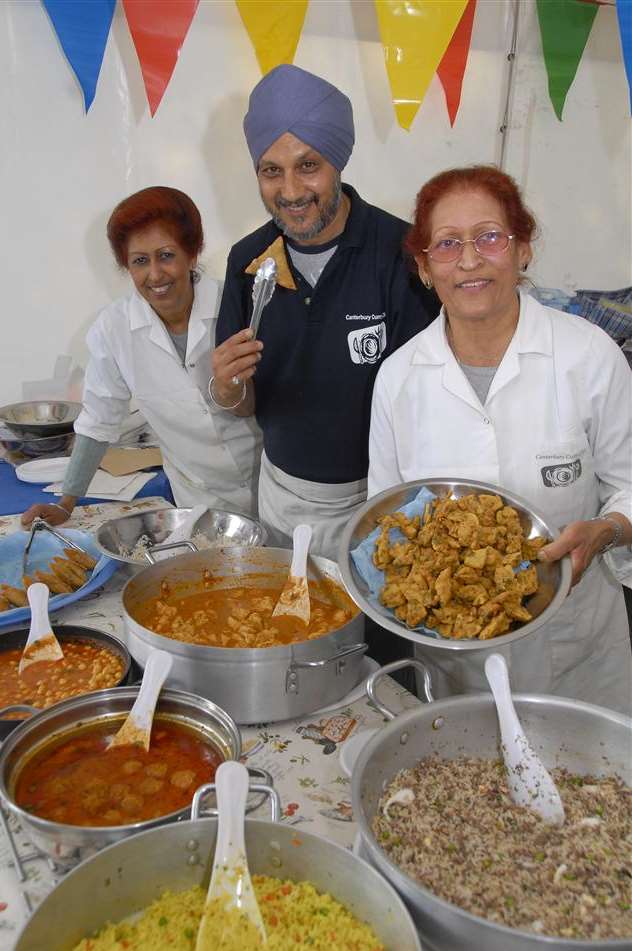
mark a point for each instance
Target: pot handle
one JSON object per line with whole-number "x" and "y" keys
{"x": 265, "y": 788}
{"x": 374, "y": 679}
{"x": 291, "y": 675}
{"x": 18, "y": 708}
{"x": 168, "y": 546}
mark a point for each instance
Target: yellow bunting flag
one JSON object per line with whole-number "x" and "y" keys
{"x": 274, "y": 28}
{"x": 415, "y": 34}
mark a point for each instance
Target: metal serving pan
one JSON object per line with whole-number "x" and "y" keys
{"x": 40, "y": 417}
{"x": 554, "y": 577}
{"x": 16, "y": 638}
{"x": 232, "y": 528}
{"x": 580, "y": 736}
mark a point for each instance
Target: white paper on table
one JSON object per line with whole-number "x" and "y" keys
{"x": 113, "y": 488}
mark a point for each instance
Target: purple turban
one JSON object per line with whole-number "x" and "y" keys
{"x": 289, "y": 99}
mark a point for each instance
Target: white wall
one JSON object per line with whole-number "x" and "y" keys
{"x": 62, "y": 172}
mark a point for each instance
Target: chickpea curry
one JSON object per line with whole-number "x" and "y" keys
{"x": 79, "y": 781}
{"x": 242, "y": 616}
{"x": 84, "y": 667}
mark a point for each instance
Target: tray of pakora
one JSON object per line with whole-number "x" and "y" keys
{"x": 452, "y": 564}
{"x": 70, "y": 574}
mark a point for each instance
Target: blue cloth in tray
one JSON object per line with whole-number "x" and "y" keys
{"x": 45, "y": 547}
{"x": 374, "y": 578}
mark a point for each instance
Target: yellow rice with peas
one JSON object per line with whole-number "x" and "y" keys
{"x": 295, "y": 916}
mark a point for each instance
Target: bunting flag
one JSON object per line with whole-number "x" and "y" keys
{"x": 452, "y": 67}
{"x": 158, "y": 28}
{"x": 415, "y": 35}
{"x": 274, "y": 28}
{"x": 82, "y": 29}
{"x": 565, "y": 26}
{"x": 624, "y": 13}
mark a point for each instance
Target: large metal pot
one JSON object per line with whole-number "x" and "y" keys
{"x": 582, "y": 737}
{"x": 253, "y": 684}
{"x": 129, "y": 875}
{"x": 67, "y": 844}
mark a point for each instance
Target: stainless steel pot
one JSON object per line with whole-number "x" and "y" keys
{"x": 68, "y": 844}
{"x": 64, "y": 632}
{"x": 253, "y": 684}
{"x": 582, "y": 737}
{"x": 129, "y": 875}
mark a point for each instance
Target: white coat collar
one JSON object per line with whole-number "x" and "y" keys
{"x": 533, "y": 335}
{"x": 204, "y": 310}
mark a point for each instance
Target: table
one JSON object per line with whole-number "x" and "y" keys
{"x": 314, "y": 790}
{"x": 17, "y": 496}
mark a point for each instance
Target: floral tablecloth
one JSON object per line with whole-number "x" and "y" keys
{"x": 302, "y": 755}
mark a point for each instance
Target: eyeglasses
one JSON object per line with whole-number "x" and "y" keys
{"x": 488, "y": 245}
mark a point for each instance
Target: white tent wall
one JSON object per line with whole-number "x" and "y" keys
{"x": 62, "y": 172}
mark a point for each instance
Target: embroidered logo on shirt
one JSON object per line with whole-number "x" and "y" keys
{"x": 554, "y": 476}
{"x": 367, "y": 344}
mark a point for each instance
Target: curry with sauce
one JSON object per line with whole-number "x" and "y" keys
{"x": 83, "y": 668}
{"x": 79, "y": 781}
{"x": 240, "y": 617}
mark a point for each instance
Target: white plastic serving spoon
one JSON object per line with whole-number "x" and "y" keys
{"x": 294, "y": 599}
{"x": 230, "y": 889}
{"x": 41, "y": 643}
{"x": 530, "y": 784}
{"x": 136, "y": 730}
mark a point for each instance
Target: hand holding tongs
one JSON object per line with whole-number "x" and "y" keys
{"x": 262, "y": 291}
{"x": 40, "y": 525}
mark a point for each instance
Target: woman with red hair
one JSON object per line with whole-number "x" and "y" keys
{"x": 503, "y": 390}
{"x": 155, "y": 345}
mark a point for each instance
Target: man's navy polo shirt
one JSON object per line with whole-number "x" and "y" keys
{"x": 322, "y": 346}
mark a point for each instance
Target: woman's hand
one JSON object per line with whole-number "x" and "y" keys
{"x": 582, "y": 541}
{"x": 234, "y": 363}
{"x": 54, "y": 514}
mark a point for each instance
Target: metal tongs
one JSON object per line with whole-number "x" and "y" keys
{"x": 40, "y": 525}
{"x": 262, "y": 291}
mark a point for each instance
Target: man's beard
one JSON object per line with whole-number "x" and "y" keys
{"x": 326, "y": 213}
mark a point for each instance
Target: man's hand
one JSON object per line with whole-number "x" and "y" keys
{"x": 234, "y": 362}
{"x": 582, "y": 541}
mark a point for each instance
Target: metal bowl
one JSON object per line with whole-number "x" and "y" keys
{"x": 554, "y": 577}
{"x": 36, "y": 446}
{"x": 231, "y": 528}
{"x": 130, "y": 875}
{"x": 584, "y": 738}
{"x": 16, "y": 638}
{"x": 69, "y": 844}
{"x": 40, "y": 417}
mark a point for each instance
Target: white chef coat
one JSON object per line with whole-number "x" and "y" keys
{"x": 556, "y": 428}
{"x": 210, "y": 456}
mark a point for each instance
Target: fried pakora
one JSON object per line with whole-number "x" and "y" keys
{"x": 459, "y": 570}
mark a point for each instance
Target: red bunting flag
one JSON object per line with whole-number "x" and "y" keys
{"x": 452, "y": 66}
{"x": 158, "y": 28}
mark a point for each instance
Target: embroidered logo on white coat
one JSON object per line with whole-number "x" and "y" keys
{"x": 367, "y": 344}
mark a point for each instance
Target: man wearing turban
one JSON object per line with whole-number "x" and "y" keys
{"x": 345, "y": 298}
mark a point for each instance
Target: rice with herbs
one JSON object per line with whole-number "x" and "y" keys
{"x": 453, "y": 827}
{"x": 295, "y": 915}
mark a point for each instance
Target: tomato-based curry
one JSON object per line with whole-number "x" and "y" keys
{"x": 238, "y": 617}
{"x": 79, "y": 781}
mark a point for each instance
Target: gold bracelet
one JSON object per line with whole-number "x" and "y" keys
{"x": 221, "y": 405}
{"x": 58, "y": 505}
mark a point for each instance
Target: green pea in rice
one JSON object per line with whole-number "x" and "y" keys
{"x": 295, "y": 915}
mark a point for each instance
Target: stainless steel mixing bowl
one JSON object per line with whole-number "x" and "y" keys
{"x": 40, "y": 417}
{"x": 554, "y": 577}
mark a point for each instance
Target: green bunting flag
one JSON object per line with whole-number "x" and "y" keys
{"x": 565, "y": 26}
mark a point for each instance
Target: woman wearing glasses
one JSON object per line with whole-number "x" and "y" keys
{"x": 504, "y": 390}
